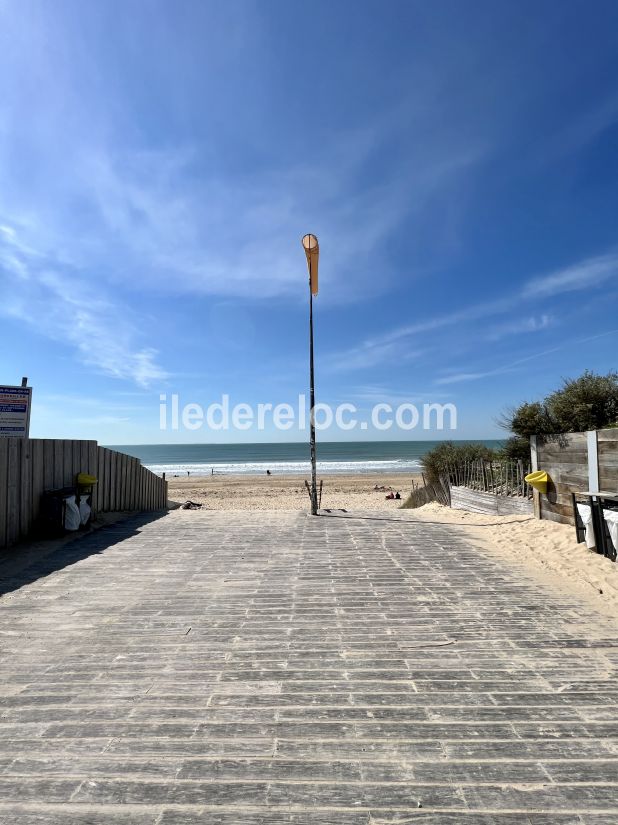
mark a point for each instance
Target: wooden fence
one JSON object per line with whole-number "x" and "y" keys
{"x": 29, "y": 467}
{"x": 575, "y": 463}
{"x": 430, "y": 491}
{"x": 493, "y": 487}
{"x": 502, "y": 478}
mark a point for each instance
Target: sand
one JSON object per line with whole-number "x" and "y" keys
{"x": 252, "y": 492}
{"x": 542, "y": 549}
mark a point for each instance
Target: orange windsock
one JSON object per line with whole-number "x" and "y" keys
{"x": 312, "y": 251}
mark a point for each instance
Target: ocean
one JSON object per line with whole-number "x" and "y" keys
{"x": 334, "y": 457}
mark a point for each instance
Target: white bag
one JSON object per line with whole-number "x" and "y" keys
{"x": 84, "y": 511}
{"x": 72, "y": 519}
{"x": 611, "y": 517}
{"x": 585, "y": 514}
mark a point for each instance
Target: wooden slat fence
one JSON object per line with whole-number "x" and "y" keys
{"x": 480, "y": 486}
{"x": 502, "y": 478}
{"x": 29, "y": 467}
{"x": 573, "y": 468}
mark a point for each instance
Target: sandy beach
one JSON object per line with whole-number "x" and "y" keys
{"x": 253, "y": 492}
{"x": 545, "y": 550}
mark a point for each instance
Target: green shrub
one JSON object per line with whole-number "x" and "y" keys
{"x": 446, "y": 454}
{"x": 589, "y": 402}
{"x": 516, "y": 449}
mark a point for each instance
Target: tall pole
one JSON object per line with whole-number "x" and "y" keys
{"x": 314, "y": 480}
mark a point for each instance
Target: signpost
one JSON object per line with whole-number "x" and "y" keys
{"x": 15, "y": 403}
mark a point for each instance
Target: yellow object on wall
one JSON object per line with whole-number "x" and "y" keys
{"x": 538, "y": 480}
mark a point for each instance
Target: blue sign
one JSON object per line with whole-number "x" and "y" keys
{"x": 15, "y": 411}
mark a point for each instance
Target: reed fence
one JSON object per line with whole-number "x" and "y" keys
{"x": 502, "y": 478}
{"x": 29, "y": 467}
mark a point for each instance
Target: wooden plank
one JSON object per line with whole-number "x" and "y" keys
{"x": 67, "y": 462}
{"x": 607, "y": 436}
{"x": 13, "y": 490}
{"x": 36, "y": 474}
{"x": 57, "y": 464}
{"x": 4, "y": 473}
{"x": 133, "y": 484}
{"x": 125, "y": 481}
{"x": 25, "y": 494}
{"x": 76, "y": 459}
{"x": 514, "y": 505}
{"x": 142, "y": 489}
{"x": 104, "y": 471}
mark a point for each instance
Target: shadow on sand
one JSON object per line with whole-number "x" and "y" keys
{"x": 25, "y": 563}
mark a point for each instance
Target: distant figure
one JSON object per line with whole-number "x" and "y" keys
{"x": 267, "y": 472}
{"x": 188, "y": 473}
{"x": 390, "y": 496}
{"x": 212, "y": 472}
{"x": 397, "y": 494}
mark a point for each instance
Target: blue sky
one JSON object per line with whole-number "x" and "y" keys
{"x": 159, "y": 163}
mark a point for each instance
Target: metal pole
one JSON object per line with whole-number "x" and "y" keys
{"x": 314, "y": 482}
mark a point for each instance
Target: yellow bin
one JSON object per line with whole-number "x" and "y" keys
{"x": 84, "y": 480}
{"x": 538, "y": 480}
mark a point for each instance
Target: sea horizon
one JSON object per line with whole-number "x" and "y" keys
{"x": 287, "y": 458}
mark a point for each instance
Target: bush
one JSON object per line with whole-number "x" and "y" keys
{"x": 516, "y": 449}
{"x": 589, "y": 402}
{"x": 446, "y": 454}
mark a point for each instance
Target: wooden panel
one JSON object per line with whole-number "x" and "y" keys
{"x": 106, "y": 479}
{"x": 4, "y": 471}
{"x": 509, "y": 505}
{"x": 36, "y": 468}
{"x": 57, "y": 464}
{"x": 125, "y": 481}
{"x": 474, "y": 501}
{"x": 135, "y": 470}
{"x": 134, "y": 474}
{"x": 48, "y": 464}
{"x": 25, "y": 493}
{"x": 607, "y": 435}
{"x": 13, "y": 490}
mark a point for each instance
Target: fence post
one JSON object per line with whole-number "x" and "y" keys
{"x": 536, "y": 497}
{"x": 593, "y": 461}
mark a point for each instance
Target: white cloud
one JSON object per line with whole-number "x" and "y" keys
{"x": 65, "y": 307}
{"x": 521, "y": 326}
{"x": 591, "y": 272}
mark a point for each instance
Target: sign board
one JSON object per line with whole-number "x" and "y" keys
{"x": 15, "y": 405}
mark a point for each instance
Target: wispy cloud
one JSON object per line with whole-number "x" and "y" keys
{"x": 589, "y": 273}
{"x": 592, "y": 272}
{"x": 522, "y": 326}
{"x": 61, "y": 305}
{"x": 460, "y": 377}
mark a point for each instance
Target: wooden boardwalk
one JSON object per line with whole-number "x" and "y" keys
{"x": 242, "y": 669}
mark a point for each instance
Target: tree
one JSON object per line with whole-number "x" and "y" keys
{"x": 589, "y": 402}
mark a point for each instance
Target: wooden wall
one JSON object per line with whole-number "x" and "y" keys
{"x": 607, "y": 447}
{"x": 566, "y": 460}
{"x": 478, "y": 501}
{"x": 28, "y": 467}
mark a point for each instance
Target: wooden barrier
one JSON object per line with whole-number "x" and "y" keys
{"x": 575, "y": 462}
{"x": 29, "y": 467}
{"x": 478, "y": 501}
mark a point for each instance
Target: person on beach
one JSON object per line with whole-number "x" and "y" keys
{"x": 267, "y": 472}
{"x": 397, "y": 496}
{"x": 390, "y": 496}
